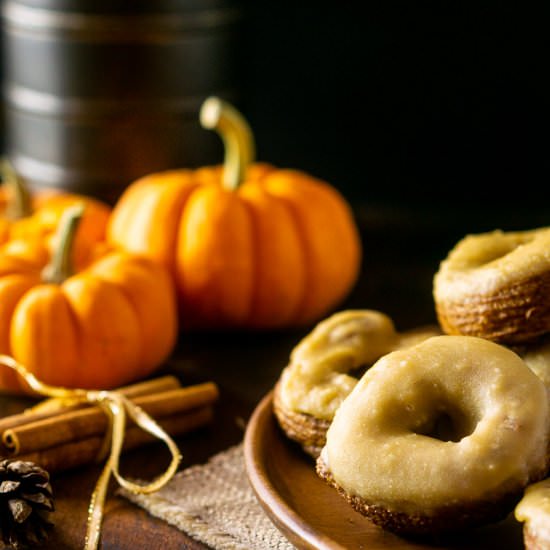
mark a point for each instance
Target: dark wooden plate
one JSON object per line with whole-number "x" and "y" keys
{"x": 312, "y": 515}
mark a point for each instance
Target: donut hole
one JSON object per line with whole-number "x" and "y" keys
{"x": 494, "y": 249}
{"x": 446, "y": 423}
{"x": 488, "y": 255}
{"x": 431, "y": 410}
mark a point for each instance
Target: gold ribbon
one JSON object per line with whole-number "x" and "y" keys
{"x": 116, "y": 406}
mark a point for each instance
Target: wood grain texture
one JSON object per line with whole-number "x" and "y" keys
{"x": 312, "y": 515}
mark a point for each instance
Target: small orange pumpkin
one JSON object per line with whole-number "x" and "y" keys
{"x": 36, "y": 216}
{"x": 248, "y": 245}
{"x": 110, "y": 324}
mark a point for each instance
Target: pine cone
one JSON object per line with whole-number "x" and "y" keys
{"x": 25, "y": 503}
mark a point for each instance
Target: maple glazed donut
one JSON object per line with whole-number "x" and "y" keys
{"x": 497, "y": 286}
{"x": 533, "y": 511}
{"x": 439, "y": 437}
{"x": 324, "y": 368}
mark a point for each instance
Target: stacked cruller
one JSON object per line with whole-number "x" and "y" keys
{"x": 442, "y": 432}
{"x": 496, "y": 285}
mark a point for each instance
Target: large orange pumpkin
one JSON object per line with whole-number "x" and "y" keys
{"x": 248, "y": 245}
{"x": 109, "y": 324}
{"x": 36, "y": 216}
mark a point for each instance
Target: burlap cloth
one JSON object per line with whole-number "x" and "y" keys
{"x": 214, "y": 504}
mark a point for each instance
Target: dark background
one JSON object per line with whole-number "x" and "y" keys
{"x": 436, "y": 107}
{"x": 429, "y": 114}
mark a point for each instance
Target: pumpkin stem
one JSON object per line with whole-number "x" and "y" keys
{"x": 237, "y": 137}
{"x": 19, "y": 205}
{"x": 60, "y": 266}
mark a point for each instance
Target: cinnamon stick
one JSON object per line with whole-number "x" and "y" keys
{"x": 59, "y": 436}
{"x": 65, "y": 427}
{"x": 86, "y": 451}
{"x": 50, "y": 408}
{"x": 147, "y": 387}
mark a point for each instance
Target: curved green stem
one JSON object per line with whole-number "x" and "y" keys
{"x": 237, "y": 137}
{"x": 19, "y": 205}
{"x": 61, "y": 266}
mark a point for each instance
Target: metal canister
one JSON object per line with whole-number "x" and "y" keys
{"x": 100, "y": 92}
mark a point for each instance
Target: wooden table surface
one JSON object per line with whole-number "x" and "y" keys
{"x": 396, "y": 278}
